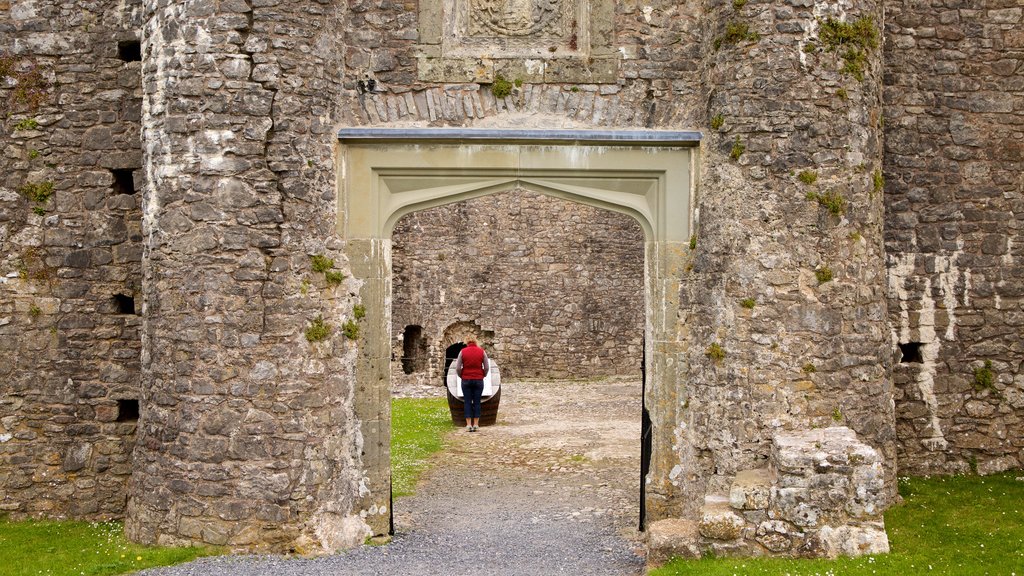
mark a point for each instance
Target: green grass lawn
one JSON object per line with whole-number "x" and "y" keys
{"x": 964, "y": 525}
{"x": 80, "y": 548}
{"x": 418, "y": 426}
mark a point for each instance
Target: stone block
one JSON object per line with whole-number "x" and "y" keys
{"x": 849, "y": 540}
{"x": 719, "y": 522}
{"x": 671, "y": 538}
{"x": 751, "y": 489}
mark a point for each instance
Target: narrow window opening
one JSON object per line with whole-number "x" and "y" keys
{"x": 129, "y": 51}
{"x": 412, "y": 344}
{"x": 124, "y": 181}
{"x": 911, "y": 353}
{"x": 124, "y": 304}
{"x": 127, "y": 410}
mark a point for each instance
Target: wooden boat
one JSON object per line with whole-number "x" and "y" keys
{"x": 488, "y": 403}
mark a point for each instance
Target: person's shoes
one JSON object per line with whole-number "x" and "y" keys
{"x": 474, "y": 428}
{"x": 469, "y": 428}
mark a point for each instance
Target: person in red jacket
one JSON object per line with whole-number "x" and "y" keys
{"x": 472, "y": 365}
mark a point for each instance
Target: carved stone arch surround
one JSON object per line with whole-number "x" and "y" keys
{"x": 386, "y": 174}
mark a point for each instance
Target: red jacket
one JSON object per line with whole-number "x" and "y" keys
{"x": 472, "y": 363}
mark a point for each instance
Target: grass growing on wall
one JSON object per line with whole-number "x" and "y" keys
{"x": 71, "y": 548}
{"x": 962, "y": 525}
{"x": 418, "y": 426}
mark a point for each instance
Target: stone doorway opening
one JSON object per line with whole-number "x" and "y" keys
{"x": 389, "y": 173}
{"x": 553, "y": 290}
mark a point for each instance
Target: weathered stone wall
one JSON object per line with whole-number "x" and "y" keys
{"x": 953, "y": 163}
{"x": 69, "y": 258}
{"x": 558, "y": 284}
{"x": 248, "y": 435}
{"x": 255, "y": 436}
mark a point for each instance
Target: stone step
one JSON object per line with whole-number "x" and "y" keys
{"x": 751, "y": 489}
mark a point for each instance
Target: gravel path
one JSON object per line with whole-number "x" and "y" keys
{"x": 551, "y": 489}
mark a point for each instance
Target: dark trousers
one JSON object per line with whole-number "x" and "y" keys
{"x": 472, "y": 390}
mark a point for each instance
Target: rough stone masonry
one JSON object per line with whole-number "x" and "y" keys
{"x": 182, "y": 325}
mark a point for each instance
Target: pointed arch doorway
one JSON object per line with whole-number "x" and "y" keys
{"x": 388, "y": 173}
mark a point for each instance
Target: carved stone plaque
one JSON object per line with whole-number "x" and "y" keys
{"x": 520, "y": 18}
{"x": 528, "y": 40}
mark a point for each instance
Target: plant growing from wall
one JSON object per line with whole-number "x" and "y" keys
{"x": 837, "y": 415}
{"x": 807, "y": 176}
{"x": 34, "y": 311}
{"x": 318, "y": 330}
{"x": 737, "y": 149}
{"x": 809, "y": 368}
{"x": 693, "y": 241}
{"x": 748, "y": 303}
{"x": 324, "y": 265}
{"x": 737, "y": 4}
{"x": 717, "y": 121}
{"x": 39, "y": 193}
{"x": 985, "y": 377}
{"x": 823, "y": 274}
{"x": 832, "y": 201}
{"x": 359, "y": 311}
{"x": 350, "y": 329}
{"x": 321, "y": 263}
{"x": 877, "y": 181}
{"x": 715, "y": 352}
{"x": 26, "y": 124}
{"x": 851, "y": 40}
{"x": 736, "y": 32}
{"x": 501, "y": 87}
{"x": 30, "y": 87}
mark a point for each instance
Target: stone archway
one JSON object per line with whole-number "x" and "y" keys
{"x": 388, "y": 173}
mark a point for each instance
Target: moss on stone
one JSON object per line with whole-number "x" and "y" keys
{"x": 501, "y": 87}
{"x": 985, "y": 377}
{"x": 823, "y": 274}
{"x": 715, "y": 352}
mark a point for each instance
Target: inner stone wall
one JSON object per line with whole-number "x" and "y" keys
{"x": 558, "y": 284}
{"x": 954, "y": 211}
{"x": 70, "y": 251}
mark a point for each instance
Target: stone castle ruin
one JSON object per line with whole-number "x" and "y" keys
{"x": 228, "y": 228}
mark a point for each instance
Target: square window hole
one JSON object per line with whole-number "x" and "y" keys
{"x": 911, "y": 352}
{"x": 124, "y": 304}
{"x": 124, "y": 181}
{"x": 129, "y": 51}
{"x": 127, "y": 410}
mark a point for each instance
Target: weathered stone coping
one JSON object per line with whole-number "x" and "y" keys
{"x": 596, "y": 137}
